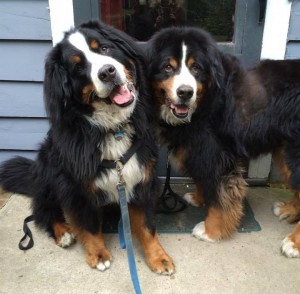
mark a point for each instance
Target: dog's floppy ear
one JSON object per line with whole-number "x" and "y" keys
{"x": 215, "y": 65}
{"x": 57, "y": 88}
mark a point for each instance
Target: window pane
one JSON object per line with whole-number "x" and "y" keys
{"x": 142, "y": 18}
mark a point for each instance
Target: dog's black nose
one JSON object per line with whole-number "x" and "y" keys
{"x": 185, "y": 92}
{"x": 107, "y": 73}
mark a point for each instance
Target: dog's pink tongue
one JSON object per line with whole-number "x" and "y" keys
{"x": 180, "y": 109}
{"x": 120, "y": 95}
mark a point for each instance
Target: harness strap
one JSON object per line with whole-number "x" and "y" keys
{"x": 132, "y": 150}
{"x": 125, "y": 237}
{"x": 27, "y": 233}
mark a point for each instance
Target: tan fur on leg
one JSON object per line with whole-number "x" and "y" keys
{"x": 195, "y": 198}
{"x": 97, "y": 255}
{"x": 223, "y": 219}
{"x": 157, "y": 259}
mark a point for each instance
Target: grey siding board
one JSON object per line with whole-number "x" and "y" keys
{"x": 292, "y": 50}
{"x": 23, "y": 61}
{"x": 25, "y": 20}
{"x": 293, "y": 39}
{"x": 25, "y": 40}
{"x": 294, "y": 29}
{"x": 5, "y": 155}
{"x": 21, "y": 99}
{"x": 22, "y": 134}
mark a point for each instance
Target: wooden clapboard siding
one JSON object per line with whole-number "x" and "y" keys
{"x": 15, "y": 131}
{"x": 21, "y": 99}
{"x": 293, "y": 40}
{"x": 23, "y": 60}
{"x": 24, "y": 20}
{"x": 25, "y": 40}
{"x": 7, "y": 154}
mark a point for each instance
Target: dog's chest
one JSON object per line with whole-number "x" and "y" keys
{"x": 112, "y": 148}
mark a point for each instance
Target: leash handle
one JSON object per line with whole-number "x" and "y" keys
{"x": 27, "y": 233}
{"x": 168, "y": 196}
{"x": 125, "y": 237}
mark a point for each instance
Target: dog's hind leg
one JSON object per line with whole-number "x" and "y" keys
{"x": 63, "y": 235}
{"x": 195, "y": 198}
{"x": 50, "y": 217}
{"x": 288, "y": 210}
{"x": 157, "y": 259}
{"x": 288, "y": 161}
{"x": 224, "y": 217}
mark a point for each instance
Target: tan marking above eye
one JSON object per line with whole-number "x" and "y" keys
{"x": 75, "y": 59}
{"x": 173, "y": 62}
{"x": 94, "y": 44}
{"x": 190, "y": 62}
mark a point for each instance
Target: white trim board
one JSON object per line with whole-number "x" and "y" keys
{"x": 276, "y": 28}
{"x": 61, "y": 17}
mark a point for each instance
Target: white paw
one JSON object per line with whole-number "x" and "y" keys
{"x": 276, "y": 208}
{"x": 189, "y": 198}
{"x": 103, "y": 266}
{"x": 288, "y": 248}
{"x": 199, "y": 232}
{"x": 66, "y": 240}
{"x": 166, "y": 272}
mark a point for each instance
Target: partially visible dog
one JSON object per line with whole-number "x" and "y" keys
{"x": 97, "y": 99}
{"x": 214, "y": 115}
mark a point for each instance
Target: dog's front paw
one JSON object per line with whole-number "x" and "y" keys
{"x": 200, "y": 233}
{"x": 290, "y": 245}
{"x": 289, "y": 248}
{"x": 286, "y": 211}
{"x": 161, "y": 264}
{"x": 100, "y": 259}
{"x": 102, "y": 266}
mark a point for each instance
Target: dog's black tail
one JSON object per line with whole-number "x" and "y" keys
{"x": 16, "y": 175}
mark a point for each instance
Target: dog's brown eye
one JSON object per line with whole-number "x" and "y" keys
{"x": 195, "y": 68}
{"x": 168, "y": 68}
{"x": 104, "y": 49}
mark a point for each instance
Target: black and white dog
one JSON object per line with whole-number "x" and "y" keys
{"x": 98, "y": 103}
{"x": 214, "y": 115}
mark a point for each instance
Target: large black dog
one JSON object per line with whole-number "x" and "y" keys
{"x": 214, "y": 115}
{"x": 97, "y": 99}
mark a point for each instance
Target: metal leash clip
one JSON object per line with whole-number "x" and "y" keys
{"x": 119, "y": 168}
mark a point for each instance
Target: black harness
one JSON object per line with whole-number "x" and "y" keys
{"x": 130, "y": 152}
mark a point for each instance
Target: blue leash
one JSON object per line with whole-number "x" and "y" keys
{"x": 124, "y": 231}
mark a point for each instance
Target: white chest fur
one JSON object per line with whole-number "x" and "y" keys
{"x": 133, "y": 173}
